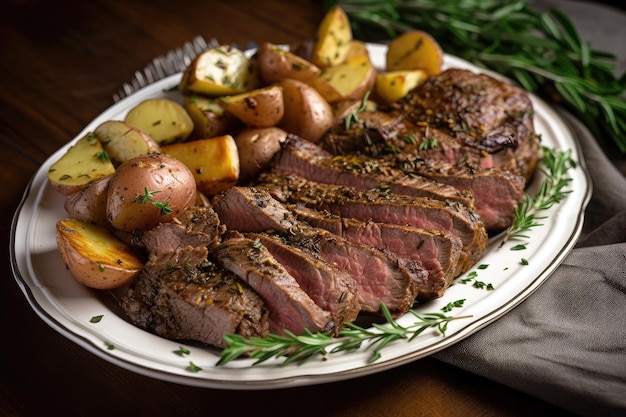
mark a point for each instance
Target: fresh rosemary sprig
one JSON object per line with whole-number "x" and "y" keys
{"x": 302, "y": 348}
{"x": 543, "y": 52}
{"x": 554, "y": 165}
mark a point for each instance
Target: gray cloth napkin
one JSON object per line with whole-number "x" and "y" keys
{"x": 566, "y": 343}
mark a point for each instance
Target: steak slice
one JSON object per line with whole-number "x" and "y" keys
{"x": 196, "y": 227}
{"x": 290, "y": 308}
{"x": 437, "y": 251}
{"x": 380, "y": 276}
{"x": 383, "y": 207}
{"x": 181, "y": 295}
{"x": 331, "y": 288}
{"x": 496, "y": 193}
{"x": 308, "y": 160}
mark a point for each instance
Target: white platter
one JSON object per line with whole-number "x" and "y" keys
{"x": 68, "y": 307}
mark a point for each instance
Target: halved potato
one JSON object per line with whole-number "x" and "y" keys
{"x": 209, "y": 118}
{"x": 332, "y": 42}
{"x": 213, "y": 162}
{"x": 219, "y": 71}
{"x": 262, "y": 107}
{"x": 344, "y": 108}
{"x": 257, "y": 147}
{"x": 94, "y": 256}
{"x": 164, "y": 120}
{"x": 350, "y": 80}
{"x": 391, "y": 86}
{"x": 90, "y": 203}
{"x": 307, "y": 113}
{"x": 277, "y": 63}
{"x": 84, "y": 162}
{"x": 412, "y": 50}
{"x": 356, "y": 48}
{"x": 123, "y": 141}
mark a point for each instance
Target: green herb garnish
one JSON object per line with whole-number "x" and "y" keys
{"x": 302, "y": 348}
{"x": 554, "y": 165}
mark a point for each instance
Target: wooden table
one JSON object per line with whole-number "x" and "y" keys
{"x": 61, "y": 66}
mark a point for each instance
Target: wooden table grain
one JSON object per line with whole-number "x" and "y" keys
{"x": 61, "y": 63}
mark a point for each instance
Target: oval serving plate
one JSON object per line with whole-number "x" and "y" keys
{"x": 68, "y": 307}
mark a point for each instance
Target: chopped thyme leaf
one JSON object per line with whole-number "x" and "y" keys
{"x": 96, "y": 319}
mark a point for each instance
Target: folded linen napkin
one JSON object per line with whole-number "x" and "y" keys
{"x": 566, "y": 343}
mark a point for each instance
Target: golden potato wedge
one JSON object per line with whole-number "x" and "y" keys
{"x": 391, "y": 86}
{"x": 94, "y": 256}
{"x": 262, "y": 107}
{"x": 84, "y": 162}
{"x": 347, "y": 81}
{"x": 218, "y": 71}
{"x": 123, "y": 141}
{"x": 277, "y": 63}
{"x": 148, "y": 190}
{"x": 412, "y": 50}
{"x": 307, "y": 113}
{"x": 257, "y": 147}
{"x": 90, "y": 203}
{"x": 209, "y": 118}
{"x": 356, "y": 48}
{"x": 332, "y": 40}
{"x": 162, "y": 119}
{"x": 213, "y": 162}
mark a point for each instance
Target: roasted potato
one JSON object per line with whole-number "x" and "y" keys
{"x": 333, "y": 38}
{"x": 413, "y": 50}
{"x": 84, "y": 162}
{"x": 277, "y": 63}
{"x": 347, "y": 81}
{"x": 307, "y": 113}
{"x": 356, "y": 48}
{"x": 209, "y": 118}
{"x": 256, "y": 148}
{"x": 218, "y": 71}
{"x": 391, "y": 86}
{"x": 89, "y": 204}
{"x": 94, "y": 256}
{"x": 262, "y": 107}
{"x": 164, "y": 120}
{"x": 343, "y": 109}
{"x": 148, "y": 190}
{"x": 213, "y": 162}
{"x": 123, "y": 141}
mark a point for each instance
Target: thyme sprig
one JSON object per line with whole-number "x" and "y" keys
{"x": 542, "y": 51}
{"x": 554, "y": 165}
{"x": 293, "y": 348}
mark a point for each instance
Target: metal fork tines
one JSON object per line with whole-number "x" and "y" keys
{"x": 162, "y": 66}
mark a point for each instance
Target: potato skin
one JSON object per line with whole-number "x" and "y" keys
{"x": 148, "y": 190}
{"x": 262, "y": 107}
{"x": 90, "y": 203}
{"x": 94, "y": 256}
{"x": 307, "y": 113}
{"x": 276, "y": 64}
{"x": 256, "y": 149}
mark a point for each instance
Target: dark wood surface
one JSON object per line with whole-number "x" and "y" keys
{"x": 61, "y": 63}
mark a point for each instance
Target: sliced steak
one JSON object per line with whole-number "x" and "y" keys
{"x": 381, "y": 277}
{"x": 383, "y": 207}
{"x": 181, "y": 295}
{"x": 437, "y": 251}
{"x": 308, "y": 160}
{"x": 290, "y": 308}
{"x": 331, "y": 288}
{"x": 497, "y": 193}
{"x": 195, "y": 227}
